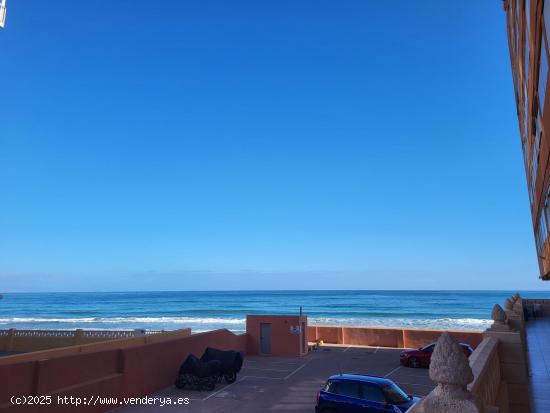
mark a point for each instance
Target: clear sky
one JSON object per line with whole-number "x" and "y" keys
{"x": 274, "y": 144}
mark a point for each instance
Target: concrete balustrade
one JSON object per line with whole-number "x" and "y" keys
{"x": 498, "y": 366}
{"x": 541, "y": 306}
{"x": 450, "y": 369}
{"x": 488, "y": 385}
{"x": 464, "y": 386}
{"x": 13, "y": 340}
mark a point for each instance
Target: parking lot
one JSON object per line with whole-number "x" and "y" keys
{"x": 291, "y": 384}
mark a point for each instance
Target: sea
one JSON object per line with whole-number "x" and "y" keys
{"x": 209, "y": 310}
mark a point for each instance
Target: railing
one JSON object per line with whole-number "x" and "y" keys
{"x": 43, "y": 333}
{"x": 490, "y": 367}
{"x": 485, "y": 364}
{"x": 532, "y": 301}
{"x": 107, "y": 334}
{"x": 35, "y": 340}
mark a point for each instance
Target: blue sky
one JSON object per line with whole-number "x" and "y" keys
{"x": 237, "y": 145}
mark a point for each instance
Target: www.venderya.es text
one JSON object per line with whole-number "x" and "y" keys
{"x": 98, "y": 401}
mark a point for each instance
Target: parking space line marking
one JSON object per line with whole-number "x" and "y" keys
{"x": 295, "y": 371}
{"x": 223, "y": 388}
{"x": 376, "y": 350}
{"x": 393, "y": 371}
{"x": 258, "y": 368}
{"x": 347, "y": 348}
{"x": 416, "y": 384}
{"x": 270, "y": 363}
{"x": 266, "y": 378}
{"x": 412, "y": 376}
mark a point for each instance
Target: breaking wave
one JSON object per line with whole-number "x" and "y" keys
{"x": 130, "y": 320}
{"x": 238, "y": 324}
{"x": 438, "y": 323}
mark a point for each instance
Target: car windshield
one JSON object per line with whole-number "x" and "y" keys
{"x": 394, "y": 394}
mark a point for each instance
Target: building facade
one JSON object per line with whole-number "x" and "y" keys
{"x": 528, "y": 23}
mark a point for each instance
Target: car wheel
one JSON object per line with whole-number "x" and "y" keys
{"x": 414, "y": 362}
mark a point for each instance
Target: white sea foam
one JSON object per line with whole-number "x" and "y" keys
{"x": 438, "y": 323}
{"x": 209, "y": 323}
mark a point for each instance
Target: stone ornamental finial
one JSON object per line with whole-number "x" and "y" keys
{"x": 449, "y": 364}
{"x": 449, "y": 367}
{"x": 499, "y": 317}
{"x": 517, "y": 308}
{"x": 508, "y": 304}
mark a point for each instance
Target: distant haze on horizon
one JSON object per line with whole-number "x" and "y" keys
{"x": 275, "y": 145}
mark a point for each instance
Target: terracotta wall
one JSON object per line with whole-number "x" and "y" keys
{"x": 131, "y": 372}
{"x": 383, "y": 337}
{"x": 104, "y": 345}
{"x": 386, "y": 337}
{"x": 417, "y": 338}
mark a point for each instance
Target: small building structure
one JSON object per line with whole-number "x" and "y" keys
{"x": 277, "y": 335}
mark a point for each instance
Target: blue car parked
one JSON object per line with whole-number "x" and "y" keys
{"x": 357, "y": 393}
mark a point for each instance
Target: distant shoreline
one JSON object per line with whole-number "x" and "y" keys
{"x": 402, "y": 290}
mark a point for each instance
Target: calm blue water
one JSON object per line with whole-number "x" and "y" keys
{"x": 227, "y": 309}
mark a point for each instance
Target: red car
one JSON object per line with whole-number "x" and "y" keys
{"x": 422, "y": 356}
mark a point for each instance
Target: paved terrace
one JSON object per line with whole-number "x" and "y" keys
{"x": 291, "y": 384}
{"x": 538, "y": 343}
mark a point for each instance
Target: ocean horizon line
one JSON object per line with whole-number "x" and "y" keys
{"x": 275, "y": 290}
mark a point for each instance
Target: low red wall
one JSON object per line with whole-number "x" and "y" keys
{"x": 418, "y": 338}
{"x": 386, "y": 337}
{"x": 383, "y": 337}
{"x": 129, "y": 372}
{"x": 328, "y": 334}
